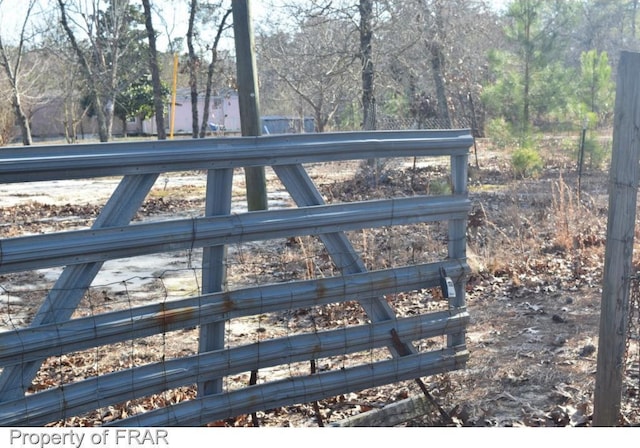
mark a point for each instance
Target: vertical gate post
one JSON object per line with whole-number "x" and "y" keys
{"x": 457, "y": 235}
{"x": 218, "y": 202}
{"x": 623, "y": 189}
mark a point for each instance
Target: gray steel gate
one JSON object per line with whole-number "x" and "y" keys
{"x": 53, "y": 331}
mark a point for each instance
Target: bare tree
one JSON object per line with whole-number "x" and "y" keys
{"x": 193, "y": 65}
{"x": 605, "y": 25}
{"x": 99, "y": 33}
{"x": 11, "y": 62}
{"x": 7, "y": 118}
{"x": 365, "y": 8}
{"x": 213, "y": 48}
{"x": 434, "y": 43}
{"x": 429, "y": 25}
{"x": 360, "y": 17}
{"x": 202, "y": 15}
{"x": 158, "y": 97}
{"x": 316, "y": 64}
{"x": 432, "y": 58}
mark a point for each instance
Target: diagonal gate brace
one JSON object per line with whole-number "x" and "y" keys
{"x": 72, "y": 284}
{"x": 304, "y": 193}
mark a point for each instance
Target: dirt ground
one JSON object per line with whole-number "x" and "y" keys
{"x": 535, "y": 246}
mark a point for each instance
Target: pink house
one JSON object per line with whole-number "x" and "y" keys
{"x": 49, "y": 119}
{"x": 224, "y": 112}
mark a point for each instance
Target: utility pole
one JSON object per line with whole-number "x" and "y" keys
{"x": 248, "y": 99}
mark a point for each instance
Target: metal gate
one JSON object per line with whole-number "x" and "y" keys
{"x": 53, "y": 332}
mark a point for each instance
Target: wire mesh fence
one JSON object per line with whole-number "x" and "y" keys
{"x": 631, "y": 377}
{"x": 132, "y": 346}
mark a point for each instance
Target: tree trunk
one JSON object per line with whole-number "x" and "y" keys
{"x": 103, "y": 127}
{"x": 158, "y": 100}
{"x": 527, "y": 85}
{"x": 108, "y": 113}
{"x": 319, "y": 118}
{"x": 366, "y": 34}
{"x": 193, "y": 67}
{"x": 210, "y": 71}
{"x": 13, "y": 74}
{"x": 207, "y": 94}
{"x": 528, "y": 59}
{"x": 437, "y": 66}
{"x": 23, "y": 121}
{"x": 94, "y": 92}
{"x": 633, "y": 18}
{"x": 438, "y": 63}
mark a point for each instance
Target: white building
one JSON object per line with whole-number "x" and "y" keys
{"x": 224, "y": 113}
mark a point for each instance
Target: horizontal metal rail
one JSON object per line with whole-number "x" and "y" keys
{"x": 91, "y": 245}
{"x": 99, "y": 160}
{"x": 302, "y": 389}
{"x": 21, "y": 350}
{"x": 75, "y": 398}
{"x": 34, "y": 343}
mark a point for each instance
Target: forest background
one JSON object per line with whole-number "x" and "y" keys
{"x": 510, "y": 70}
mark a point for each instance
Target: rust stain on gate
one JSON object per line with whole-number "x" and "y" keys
{"x": 49, "y": 335}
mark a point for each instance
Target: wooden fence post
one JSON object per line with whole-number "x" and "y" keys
{"x": 623, "y": 187}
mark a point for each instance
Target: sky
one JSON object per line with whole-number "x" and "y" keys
{"x": 12, "y": 16}
{"x": 260, "y": 12}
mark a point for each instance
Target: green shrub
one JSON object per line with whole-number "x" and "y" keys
{"x": 526, "y": 162}
{"x": 439, "y": 187}
{"x": 500, "y": 133}
{"x": 594, "y": 153}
